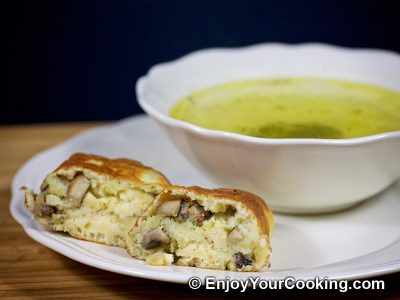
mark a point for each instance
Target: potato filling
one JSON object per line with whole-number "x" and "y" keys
{"x": 187, "y": 232}
{"x": 89, "y": 208}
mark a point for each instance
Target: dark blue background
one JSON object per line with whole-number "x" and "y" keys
{"x": 79, "y": 60}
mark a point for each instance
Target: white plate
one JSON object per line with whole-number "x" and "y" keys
{"x": 361, "y": 242}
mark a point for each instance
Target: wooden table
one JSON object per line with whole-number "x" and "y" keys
{"x": 29, "y": 270}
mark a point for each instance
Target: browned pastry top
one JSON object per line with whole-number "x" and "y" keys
{"x": 120, "y": 168}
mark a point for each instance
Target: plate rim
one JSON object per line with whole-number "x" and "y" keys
{"x": 45, "y": 237}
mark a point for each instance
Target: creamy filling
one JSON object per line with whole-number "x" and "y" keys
{"x": 226, "y": 239}
{"x": 104, "y": 213}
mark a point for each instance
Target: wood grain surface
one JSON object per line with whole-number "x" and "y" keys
{"x": 29, "y": 270}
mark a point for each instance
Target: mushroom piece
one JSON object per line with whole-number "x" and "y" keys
{"x": 77, "y": 189}
{"x": 241, "y": 260}
{"x": 198, "y": 214}
{"x": 235, "y": 236}
{"x": 41, "y": 209}
{"x": 155, "y": 238}
{"x": 183, "y": 212}
{"x": 95, "y": 192}
{"x": 44, "y": 185}
{"x": 170, "y": 208}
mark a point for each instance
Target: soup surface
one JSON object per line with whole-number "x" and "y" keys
{"x": 293, "y": 108}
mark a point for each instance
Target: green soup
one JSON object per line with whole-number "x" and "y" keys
{"x": 293, "y": 108}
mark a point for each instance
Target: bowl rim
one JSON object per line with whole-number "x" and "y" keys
{"x": 211, "y": 133}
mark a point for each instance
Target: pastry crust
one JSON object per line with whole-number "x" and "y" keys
{"x": 94, "y": 198}
{"x": 126, "y": 169}
{"x": 232, "y": 231}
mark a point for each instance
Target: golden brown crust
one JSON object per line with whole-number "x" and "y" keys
{"x": 120, "y": 168}
{"x": 255, "y": 204}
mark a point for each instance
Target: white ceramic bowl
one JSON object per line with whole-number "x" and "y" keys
{"x": 293, "y": 175}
